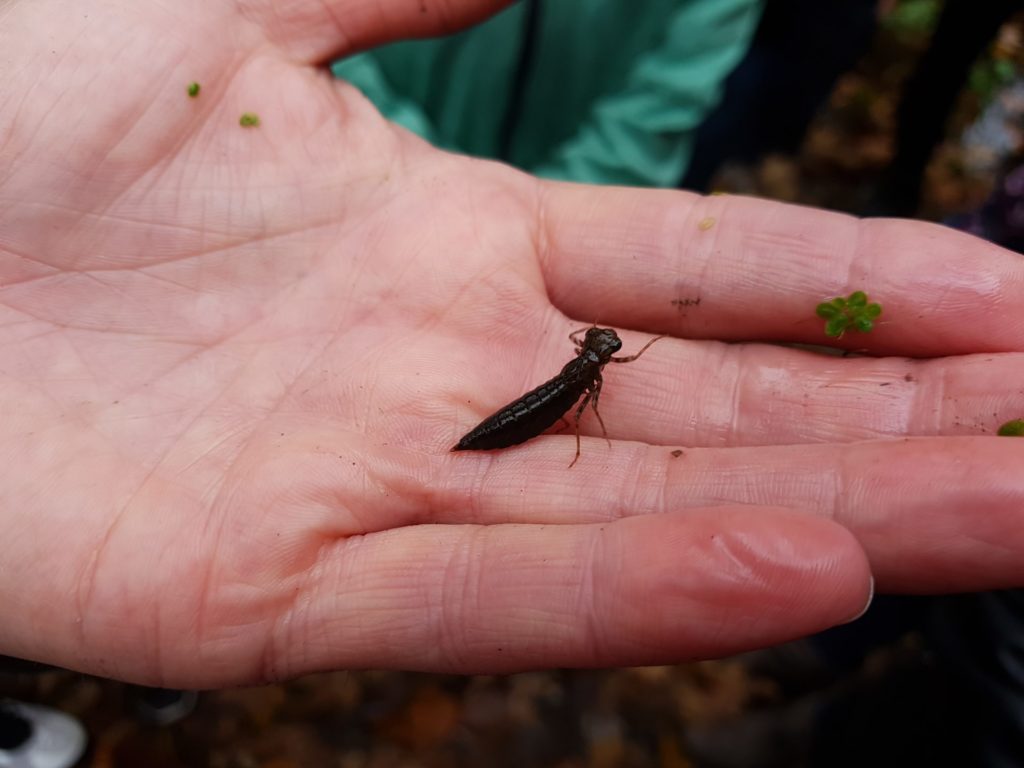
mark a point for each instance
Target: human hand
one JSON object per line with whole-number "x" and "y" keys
{"x": 235, "y": 360}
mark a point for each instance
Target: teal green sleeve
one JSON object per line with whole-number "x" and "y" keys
{"x": 364, "y": 72}
{"x": 643, "y": 134}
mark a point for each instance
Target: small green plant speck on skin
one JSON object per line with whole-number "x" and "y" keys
{"x": 249, "y": 120}
{"x": 854, "y": 312}
{"x": 193, "y": 89}
{"x": 1013, "y": 428}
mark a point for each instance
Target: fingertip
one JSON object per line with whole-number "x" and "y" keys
{"x": 867, "y": 603}
{"x": 724, "y": 580}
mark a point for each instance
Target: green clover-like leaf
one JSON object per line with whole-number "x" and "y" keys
{"x": 857, "y": 300}
{"x": 827, "y": 310}
{"x": 863, "y": 324}
{"x": 842, "y": 314}
{"x": 836, "y": 327}
{"x": 1013, "y": 428}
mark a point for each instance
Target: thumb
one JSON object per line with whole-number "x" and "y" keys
{"x": 320, "y": 30}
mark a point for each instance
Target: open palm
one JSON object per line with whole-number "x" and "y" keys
{"x": 234, "y": 360}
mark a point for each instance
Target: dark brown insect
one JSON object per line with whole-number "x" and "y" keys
{"x": 539, "y": 408}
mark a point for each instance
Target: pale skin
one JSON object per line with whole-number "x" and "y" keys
{"x": 234, "y": 360}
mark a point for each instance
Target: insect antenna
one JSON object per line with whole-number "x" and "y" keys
{"x": 631, "y": 358}
{"x": 584, "y": 329}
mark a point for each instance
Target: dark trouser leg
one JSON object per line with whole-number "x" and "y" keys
{"x": 981, "y": 639}
{"x": 965, "y": 29}
{"x": 801, "y": 48}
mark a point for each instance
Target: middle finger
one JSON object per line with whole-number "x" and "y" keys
{"x": 711, "y": 394}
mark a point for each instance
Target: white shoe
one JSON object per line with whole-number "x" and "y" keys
{"x": 52, "y": 739}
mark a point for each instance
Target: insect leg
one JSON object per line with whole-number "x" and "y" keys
{"x": 631, "y": 358}
{"x": 579, "y": 412}
{"x": 598, "y": 383}
{"x": 574, "y": 334}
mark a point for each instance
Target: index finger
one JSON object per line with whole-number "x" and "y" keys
{"x": 735, "y": 268}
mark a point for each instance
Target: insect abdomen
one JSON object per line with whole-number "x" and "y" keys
{"x": 527, "y": 416}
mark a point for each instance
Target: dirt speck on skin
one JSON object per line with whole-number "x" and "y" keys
{"x": 686, "y": 302}
{"x": 676, "y": 453}
{"x": 706, "y": 223}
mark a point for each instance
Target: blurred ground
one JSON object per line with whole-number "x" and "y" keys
{"x": 894, "y": 709}
{"x": 890, "y": 712}
{"x": 851, "y": 141}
